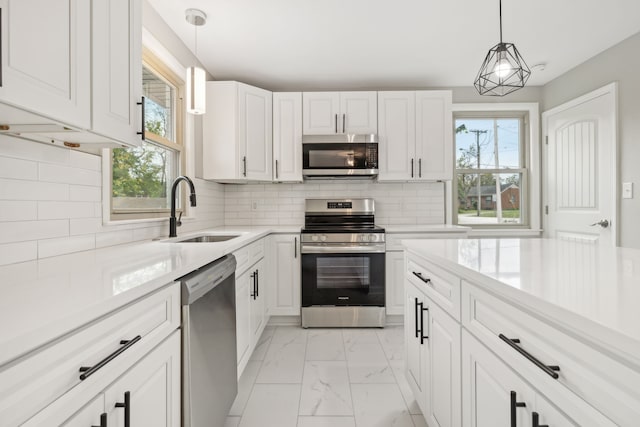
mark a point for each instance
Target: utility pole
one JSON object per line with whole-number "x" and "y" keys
{"x": 479, "y": 199}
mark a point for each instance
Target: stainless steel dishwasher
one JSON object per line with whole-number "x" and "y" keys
{"x": 209, "y": 370}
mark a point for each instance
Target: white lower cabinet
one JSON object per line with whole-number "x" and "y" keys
{"x": 244, "y": 287}
{"x": 417, "y": 355}
{"x": 258, "y": 307}
{"x": 284, "y": 260}
{"x": 89, "y": 415}
{"x": 394, "y": 281}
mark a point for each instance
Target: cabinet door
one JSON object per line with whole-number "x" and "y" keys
{"x": 244, "y": 296}
{"x": 89, "y": 415}
{"x": 445, "y": 398}
{"x": 358, "y": 113}
{"x": 397, "y": 126}
{"x": 153, "y": 385}
{"x": 434, "y": 135}
{"x": 415, "y": 348}
{"x": 487, "y": 384}
{"x": 117, "y": 69}
{"x": 46, "y": 56}
{"x": 320, "y": 113}
{"x": 287, "y": 137}
{"x": 284, "y": 289}
{"x": 255, "y": 134}
{"x": 257, "y": 302}
{"x": 394, "y": 271}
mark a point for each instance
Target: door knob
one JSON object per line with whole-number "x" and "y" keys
{"x": 604, "y": 223}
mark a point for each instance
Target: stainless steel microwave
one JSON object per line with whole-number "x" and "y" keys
{"x": 339, "y": 156}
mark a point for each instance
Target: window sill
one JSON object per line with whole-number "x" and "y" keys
{"x": 144, "y": 221}
{"x": 512, "y": 233}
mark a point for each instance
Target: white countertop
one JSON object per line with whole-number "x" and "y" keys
{"x": 429, "y": 228}
{"x": 588, "y": 289}
{"x": 45, "y": 299}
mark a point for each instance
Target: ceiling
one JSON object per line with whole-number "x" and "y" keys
{"x": 392, "y": 44}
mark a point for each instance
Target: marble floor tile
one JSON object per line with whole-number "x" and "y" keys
{"x": 370, "y": 373}
{"x": 326, "y": 422}
{"x": 398, "y": 371}
{"x": 263, "y": 343}
{"x": 379, "y": 405}
{"x": 325, "y": 389}
{"x": 360, "y": 336}
{"x": 283, "y": 363}
{"x": 325, "y": 344}
{"x": 245, "y": 385}
{"x": 232, "y": 422}
{"x": 289, "y": 334}
{"x": 272, "y": 405}
{"x": 392, "y": 341}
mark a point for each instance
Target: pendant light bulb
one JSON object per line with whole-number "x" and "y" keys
{"x": 503, "y": 66}
{"x": 196, "y": 90}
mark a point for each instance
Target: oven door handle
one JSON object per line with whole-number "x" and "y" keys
{"x": 350, "y": 249}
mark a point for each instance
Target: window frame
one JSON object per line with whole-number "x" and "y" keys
{"x": 162, "y": 71}
{"x": 530, "y": 157}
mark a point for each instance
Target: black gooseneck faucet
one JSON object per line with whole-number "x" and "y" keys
{"x": 173, "y": 222}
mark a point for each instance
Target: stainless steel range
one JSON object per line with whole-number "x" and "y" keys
{"x": 343, "y": 264}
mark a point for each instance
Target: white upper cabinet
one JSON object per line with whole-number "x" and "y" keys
{"x": 434, "y": 135}
{"x": 416, "y": 136}
{"x": 237, "y": 133}
{"x": 287, "y": 137}
{"x": 117, "y": 68}
{"x": 46, "y": 58}
{"x": 327, "y": 113}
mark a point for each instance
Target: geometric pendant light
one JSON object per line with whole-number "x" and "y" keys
{"x": 196, "y": 77}
{"x": 503, "y": 70}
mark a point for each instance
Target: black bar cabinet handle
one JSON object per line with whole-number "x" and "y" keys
{"x": 103, "y": 420}
{"x": 550, "y": 370}
{"x": 420, "y": 168}
{"x": 127, "y": 408}
{"x": 535, "y": 420}
{"x": 422, "y": 335}
{"x": 421, "y": 277}
{"x": 87, "y": 371}
{"x": 514, "y": 405}
{"x": 142, "y": 133}
{"x": 336, "y": 122}
{"x": 344, "y": 121}
{"x": 276, "y": 169}
{"x": 295, "y": 247}
{"x": 244, "y": 165}
{"x": 253, "y": 276}
{"x": 257, "y": 282}
{"x": 411, "y": 168}
{"x": 416, "y": 310}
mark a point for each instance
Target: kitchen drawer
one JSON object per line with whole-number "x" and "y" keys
{"x": 248, "y": 255}
{"x": 33, "y": 382}
{"x": 587, "y": 372}
{"x": 440, "y": 285}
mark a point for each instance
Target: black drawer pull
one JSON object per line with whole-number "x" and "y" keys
{"x": 103, "y": 420}
{"x": 535, "y": 420}
{"x": 127, "y": 408}
{"x": 421, "y": 277}
{"x": 514, "y": 405}
{"x": 550, "y": 370}
{"x": 87, "y": 371}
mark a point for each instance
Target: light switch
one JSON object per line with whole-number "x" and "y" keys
{"x": 627, "y": 190}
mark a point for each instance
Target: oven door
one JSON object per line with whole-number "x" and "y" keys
{"x": 343, "y": 279}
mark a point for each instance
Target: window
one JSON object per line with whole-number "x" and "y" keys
{"x": 141, "y": 177}
{"x": 491, "y": 169}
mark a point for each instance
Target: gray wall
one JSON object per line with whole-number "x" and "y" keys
{"x": 621, "y": 64}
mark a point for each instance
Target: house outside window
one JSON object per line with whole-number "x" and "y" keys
{"x": 491, "y": 167}
{"x": 141, "y": 177}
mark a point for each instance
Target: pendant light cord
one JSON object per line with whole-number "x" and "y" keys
{"x": 500, "y": 21}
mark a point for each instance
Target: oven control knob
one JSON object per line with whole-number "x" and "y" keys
{"x": 371, "y": 238}
{"x": 314, "y": 237}
{"x": 323, "y": 237}
{"x": 365, "y": 237}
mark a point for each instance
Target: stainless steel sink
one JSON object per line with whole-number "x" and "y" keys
{"x": 209, "y": 238}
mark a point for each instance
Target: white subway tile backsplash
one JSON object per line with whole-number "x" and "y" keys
{"x": 65, "y": 245}
{"x": 69, "y": 175}
{"x": 112, "y": 238}
{"x": 18, "y": 252}
{"x": 84, "y": 193}
{"x": 61, "y": 210}
{"x": 18, "y": 168}
{"x": 12, "y": 189}
{"x": 18, "y": 148}
{"x": 85, "y": 226}
{"x": 16, "y": 210}
{"x": 22, "y": 231}
{"x": 81, "y": 160}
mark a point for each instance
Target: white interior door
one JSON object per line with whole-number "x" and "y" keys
{"x": 580, "y": 173}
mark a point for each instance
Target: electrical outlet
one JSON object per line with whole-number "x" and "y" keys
{"x": 627, "y": 190}
{"x": 254, "y": 205}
